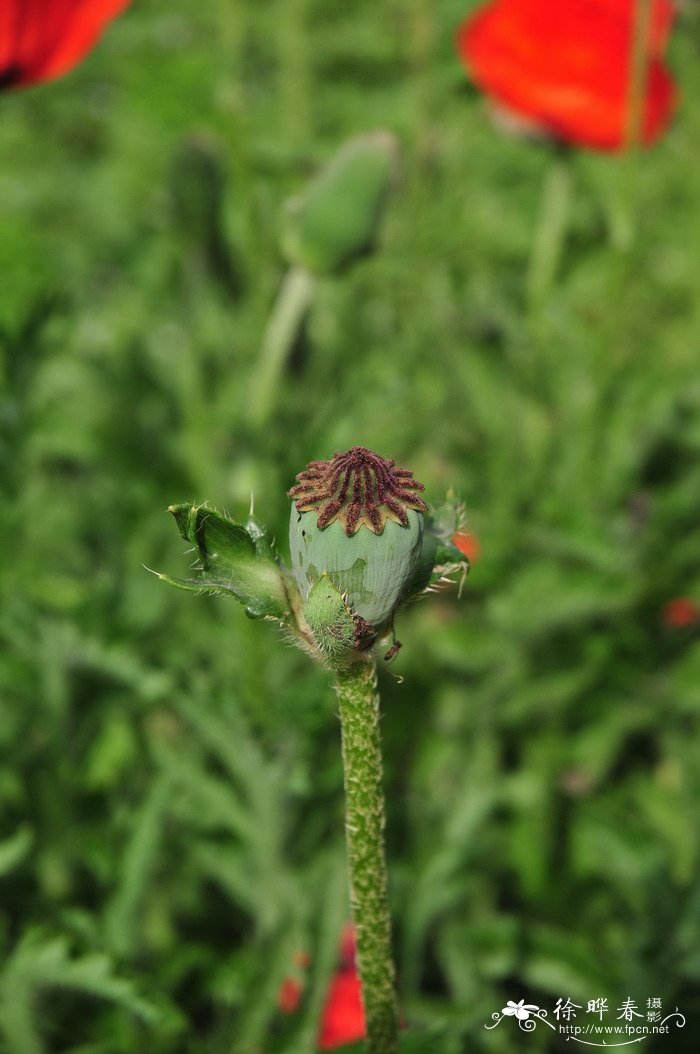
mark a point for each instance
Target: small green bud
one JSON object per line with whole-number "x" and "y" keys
{"x": 358, "y": 521}
{"x": 330, "y": 619}
{"x": 336, "y": 218}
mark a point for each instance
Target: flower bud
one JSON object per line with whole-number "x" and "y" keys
{"x": 336, "y": 218}
{"x": 357, "y": 520}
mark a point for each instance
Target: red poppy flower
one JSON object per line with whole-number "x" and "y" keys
{"x": 680, "y": 612}
{"x": 42, "y": 39}
{"x": 564, "y": 65}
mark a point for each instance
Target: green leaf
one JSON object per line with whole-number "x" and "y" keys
{"x": 13, "y": 850}
{"x": 41, "y": 962}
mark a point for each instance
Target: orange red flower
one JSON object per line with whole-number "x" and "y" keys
{"x": 343, "y": 1018}
{"x": 468, "y": 544}
{"x": 43, "y": 39}
{"x": 289, "y": 995}
{"x": 564, "y": 66}
{"x": 681, "y": 612}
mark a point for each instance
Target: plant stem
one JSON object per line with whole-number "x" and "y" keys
{"x": 636, "y": 90}
{"x": 364, "y": 827}
{"x": 549, "y": 235}
{"x": 293, "y": 302}
{"x": 622, "y": 206}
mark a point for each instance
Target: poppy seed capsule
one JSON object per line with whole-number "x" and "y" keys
{"x": 358, "y": 519}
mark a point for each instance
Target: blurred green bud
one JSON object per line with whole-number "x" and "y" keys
{"x": 196, "y": 185}
{"x": 358, "y": 521}
{"x": 337, "y": 216}
{"x": 232, "y": 559}
{"x": 440, "y": 558}
{"x": 198, "y": 197}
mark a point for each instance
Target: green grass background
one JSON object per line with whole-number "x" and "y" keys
{"x": 170, "y": 789}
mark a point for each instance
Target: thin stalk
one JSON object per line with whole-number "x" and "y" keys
{"x": 364, "y": 827}
{"x": 622, "y": 206}
{"x": 550, "y": 233}
{"x": 290, "y": 308}
{"x": 636, "y": 89}
{"x": 294, "y": 35}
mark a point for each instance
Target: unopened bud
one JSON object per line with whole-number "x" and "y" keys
{"x": 336, "y": 218}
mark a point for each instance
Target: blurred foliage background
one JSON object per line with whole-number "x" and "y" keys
{"x": 170, "y": 790}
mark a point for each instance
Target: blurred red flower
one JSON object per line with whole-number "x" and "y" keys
{"x": 680, "y": 612}
{"x": 343, "y": 1016}
{"x": 468, "y": 544}
{"x": 564, "y": 66}
{"x": 42, "y": 39}
{"x": 343, "y": 1019}
{"x": 292, "y": 988}
{"x": 289, "y": 995}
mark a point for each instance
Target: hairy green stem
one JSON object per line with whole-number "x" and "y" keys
{"x": 364, "y": 827}
{"x": 293, "y": 302}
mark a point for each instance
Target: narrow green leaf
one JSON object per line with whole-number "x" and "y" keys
{"x": 13, "y": 850}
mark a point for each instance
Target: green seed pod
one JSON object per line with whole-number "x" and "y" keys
{"x": 358, "y": 519}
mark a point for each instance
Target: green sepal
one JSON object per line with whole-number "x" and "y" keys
{"x": 191, "y": 585}
{"x": 448, "y": 561}
{"x": 185, "y": 518}
{"x": 330, "y": 620}
{"x": 255, "y": 530}
{"x": 447, "y": 553}
{"x": 231, "y": 561}
{"x": 337, "y": 217}
{"x": 439, "y": 560}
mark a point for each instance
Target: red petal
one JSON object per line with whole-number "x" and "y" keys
{"x": 347, "y": 945}
{"x": 468, "y": 544}
{"x": 42, "y": 39}
{"x": 343, "y": 1016}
